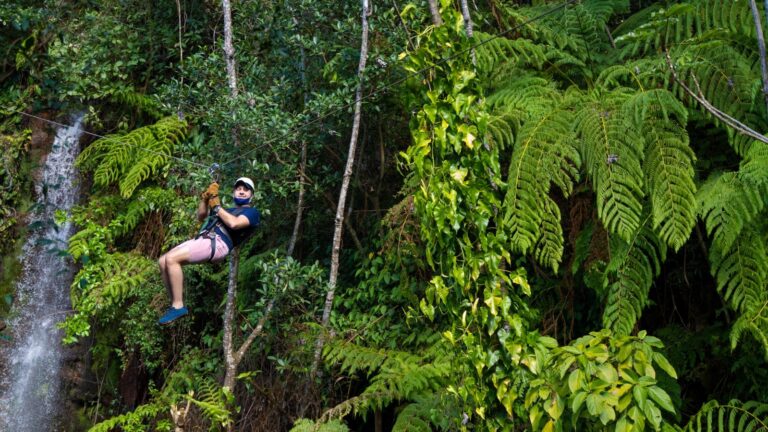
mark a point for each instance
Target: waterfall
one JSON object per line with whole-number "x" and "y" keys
{"x": 30, "y": 382}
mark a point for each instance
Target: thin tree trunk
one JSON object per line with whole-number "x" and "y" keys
{"x": 229, "y": 315}
{"x": 468, "y": 27}
{"x": 303, "y": 162}
{"x": 435, "y": 11}
{"x": 761, "y": 46}
{"x": 339, "y": 221}
{"x": 229, "y": 49}
{"x": 300, "y": 204}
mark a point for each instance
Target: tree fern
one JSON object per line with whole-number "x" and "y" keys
{"x": 138, "y": 101}
{"x": 754, "y": 166}
{"x": 134, "y": 157}
{"x": 669, "y": 170}
{"x": 421, "y": 415}
{"x": 636, "y": 264}
{"x": 543, "y": 154}
{"x": 111, "y": 280}
{"x": 394, "y": 375}
{"x": 727, "y": 204}
{"x": 710, "y": 43}
{"x": 549, "y": 246}
{"x": 576, "y": 28}
{"x": 130, "y": 421}
{"x": 214, "y": 401}
{"x": 657, "y": 26}
{"x": 501, "y": 50}
{"x": 613, "y": 150}
{"x": 733, "y": 416}
{"x": 740, "y": 271}
{"x": 754, "y": 321}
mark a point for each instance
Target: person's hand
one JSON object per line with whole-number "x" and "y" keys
{"x": 212, "y": 190}
{"x": 213, "y": 201}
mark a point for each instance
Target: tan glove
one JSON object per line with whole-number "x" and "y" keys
{"x": 213, "y": 201}
{"x": 212, "y": 190}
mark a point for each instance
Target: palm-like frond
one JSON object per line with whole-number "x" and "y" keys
{"x": 669, "y": 170}
{"x": 741, "y": 270}
{"x": 134, "y": 157}
{"x": 613, "y": 151}
{"x": 755, "y": 322}
{"x": 733, "y": 416}
{"x": 727, "y": 205}
{"x": 636, "y": 264}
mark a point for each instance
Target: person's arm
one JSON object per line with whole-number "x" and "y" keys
{"x": 202, "y": 210}
{"x": 232, "y": 221}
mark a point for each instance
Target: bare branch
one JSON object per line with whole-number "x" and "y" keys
{"x": 725, "y": 118}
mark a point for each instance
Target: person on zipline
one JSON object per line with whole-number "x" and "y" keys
{"x": 224, "y": 230}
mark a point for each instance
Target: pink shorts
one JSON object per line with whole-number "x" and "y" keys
{"x": 200, "y": 250}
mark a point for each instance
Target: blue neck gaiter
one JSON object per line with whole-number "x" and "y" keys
{"x": 242, "y": 201}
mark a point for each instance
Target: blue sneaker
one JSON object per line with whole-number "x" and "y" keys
{"x": 172, "y": 314}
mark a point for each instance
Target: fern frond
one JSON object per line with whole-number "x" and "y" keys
{"x": 147, "y": 200}
{"x": 754, "y": 166}
{"x": 396, "y": 375}
{"x": 613, "y": 151}
{"x": 501, "y": 50}
{"x": 212, "y": 402}
{"x": 543, "y": 154}
{"x": 733, "y": 416}
{"x": 111, "y": 280}
{"x": 636, "y": 264}
{"x": 549, "y": 247}
{"x": 741, "y": 271}
{"x": 669, "y": 170}
{"x": 421, "y": 415}
{"x": 306, "y": 425}
{"x": 577, "y": 28}
{"x": 656, "y": 26}
{"x": 139, "y": 101}
{"x": 754, "y": 321}
{"x": 139, "y": 416}
{"x": 134, "y": 157}
{"x": 727, "y": 205}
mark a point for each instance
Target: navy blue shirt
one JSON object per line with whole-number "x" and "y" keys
{"x": 233, "y": 237}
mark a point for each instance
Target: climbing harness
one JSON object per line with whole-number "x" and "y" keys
{"x": 213, "y": 222}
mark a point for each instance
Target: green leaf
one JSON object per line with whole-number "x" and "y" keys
{"x": 662, "y": 398}
{"x": 664, "y": 364}
{"x": 652, "y": 413}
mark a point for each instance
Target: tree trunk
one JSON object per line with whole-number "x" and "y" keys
{"x": 468, "y": 26}
{"x": 229, "y": 314}
{"x": 300, "y": 204}
{"x": 303, "y": 162}
{"x": 339, "y": 221}
{"x": 229, "y": 49}
{"x": 229, "y": 56}
{"x": 435, "y": 11}
{"x": 761, "y": 46}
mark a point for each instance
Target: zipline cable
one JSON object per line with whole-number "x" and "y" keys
{"x": 334, "y": 110}
{"x": 102, "y": 137}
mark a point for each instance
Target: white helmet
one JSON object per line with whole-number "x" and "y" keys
{"x": 247, "y": 182}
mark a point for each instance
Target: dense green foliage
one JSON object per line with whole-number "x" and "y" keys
{"x": 545, "y": 230}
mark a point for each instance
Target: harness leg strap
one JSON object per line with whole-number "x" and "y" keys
{"x": 213, "y": 246}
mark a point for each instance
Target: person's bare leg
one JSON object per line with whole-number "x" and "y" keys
{"x": 164, "y": 275}
{"x": 173, "y": 262}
